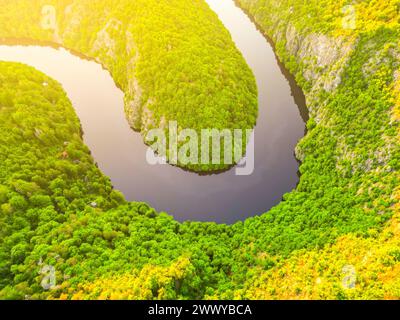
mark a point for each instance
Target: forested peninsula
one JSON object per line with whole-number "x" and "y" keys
{"x": 173, "y": 59}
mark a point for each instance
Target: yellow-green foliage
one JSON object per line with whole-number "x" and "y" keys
{"x": 323, "y": 274}
{"x": 331, "y": 17}
{"x": 395, "y": 88}
{"x": 151, "y": 282}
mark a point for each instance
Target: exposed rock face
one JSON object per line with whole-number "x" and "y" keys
{"x": 320, "y": 60}
{"x": 323, "y": 59}
{"x": 139, "y": 115}
{"x": 133, "y": 97}
{"x": 326, "y": 57}
{"x": 292, "y": 40}
{"x": 105, "y": 49}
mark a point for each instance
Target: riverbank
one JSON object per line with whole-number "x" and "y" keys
{"x": 347, "y": 66}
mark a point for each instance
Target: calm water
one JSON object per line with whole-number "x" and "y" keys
{"x": 121, "y": 153}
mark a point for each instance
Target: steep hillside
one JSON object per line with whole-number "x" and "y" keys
{"x": 346, "y": 58}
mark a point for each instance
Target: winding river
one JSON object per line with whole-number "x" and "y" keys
{"x": 121, "y": 154}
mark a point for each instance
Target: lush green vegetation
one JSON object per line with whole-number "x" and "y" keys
{"x": 351, "y": 153}
{"x": 57, "y": 208}
{"x": 173, "y": 58}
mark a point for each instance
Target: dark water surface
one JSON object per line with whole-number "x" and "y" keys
{"x": 121, "y": 153}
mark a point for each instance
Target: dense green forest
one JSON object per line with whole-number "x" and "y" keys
{"x": 174, "y": 59}
{"x": 57, "y": 208}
